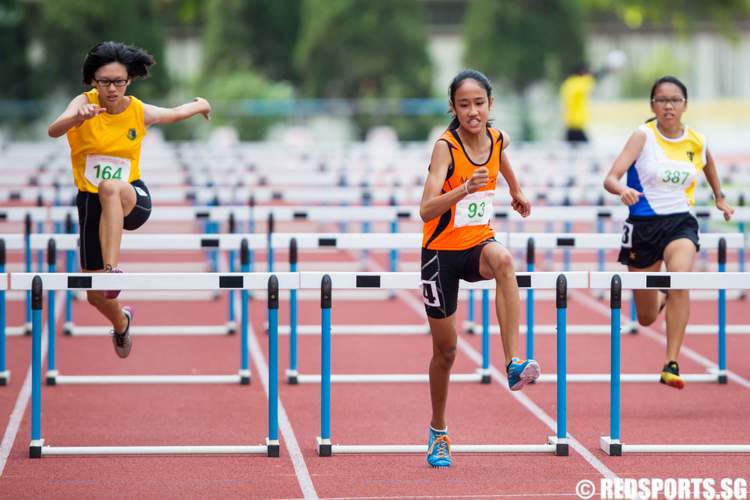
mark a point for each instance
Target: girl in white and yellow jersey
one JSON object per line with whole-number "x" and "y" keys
{"x": 105, "y": 129}
{"x": 459, "y": 242}
{"x": 662, "y": 159}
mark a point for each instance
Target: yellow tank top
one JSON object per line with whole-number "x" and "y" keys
{"x": 574, "y": 93}
{"x": 467, "y": 223}
{"x": 107, "y": 146}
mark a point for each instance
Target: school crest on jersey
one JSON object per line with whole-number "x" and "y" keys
{"x": 690, "y": 155}
{"x": 132, "y": 134}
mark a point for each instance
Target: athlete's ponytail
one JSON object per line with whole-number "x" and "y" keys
{"x": 136, "y": 60}
{"x": 458, "y": 80}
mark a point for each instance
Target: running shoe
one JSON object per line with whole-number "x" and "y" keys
{"x": 438, "y": 449}
{"x": 670, "y": 375}
{"x": 112, "y": 294}
{"x": 522, "y": 372}
{"x": 122, "y": 341}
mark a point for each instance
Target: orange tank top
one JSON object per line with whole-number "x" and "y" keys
{"x": 467, "y": 223}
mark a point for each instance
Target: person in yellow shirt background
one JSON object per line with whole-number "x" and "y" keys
{"x": 575, "y": 92}
{"x": 105, "y": 128}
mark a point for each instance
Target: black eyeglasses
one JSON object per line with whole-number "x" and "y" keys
{"x": 674, "y": 101}
{"x": 107, "y": 83}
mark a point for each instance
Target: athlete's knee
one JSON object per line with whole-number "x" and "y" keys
{"x": 95, "y": 298}
{"x": 446, "y": 355}
{"x": 502, "y": 263}
{"x": 108, "y": 189}
{"x": 647, "y": 318}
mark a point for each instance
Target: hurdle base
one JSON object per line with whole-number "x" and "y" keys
{"x": 244, "y": 377}
{"x": 291, "y": 377}
{"x": 324, "y": 447}
{"x": 5, "y": 377}
{"x": 51, "y": 377}
{"x": 722, "y": 377}
{"x": 486, "y": 377}
{"x": 27, "y": 329}
{"x": 273, "y": 448}
{"x": 385, "y": 378}
{"x": 371, "y": 449}
{"x": 561, "y": 445}
{"x": 35, "y": 448}
{"x": 149, "y": 379}
{"x": 470, "y": 327}
{"x": 612, "y": 447}
{"x": 68, "y": 328}
{"x": 710, "y": 376}
{"x": 231, "y": 327}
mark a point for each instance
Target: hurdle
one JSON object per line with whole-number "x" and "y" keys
{"x": 202, "y": 281}
{"x": 327, "y": 282}
{"x": 611, "y": 444}
{"x": 228, "y": 242}
{"x": 4, "y": 372}
{"x": 154, "y": 281}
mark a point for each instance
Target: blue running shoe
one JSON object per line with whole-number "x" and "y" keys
{"x": 521, "y": 372}
{"x": 438, "y": 449}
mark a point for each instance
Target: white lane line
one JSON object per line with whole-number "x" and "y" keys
{"x": 649, "y": 332}
{"x": 14, "y": 423}
{"x": 475, "y": 356}
{"x": 285, "y": 425}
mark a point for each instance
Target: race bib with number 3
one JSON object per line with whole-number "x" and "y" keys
{"x": 474, "y": 210}
{"x": 103, "y": 168}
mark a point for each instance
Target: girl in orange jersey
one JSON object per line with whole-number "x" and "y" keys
{"x": 458, "y": 242}
{"x": 105, "y": 129}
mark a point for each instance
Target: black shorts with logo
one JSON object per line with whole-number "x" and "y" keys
{"x": 645, "y": 238}
{"x": 441, "y": 270}
{"x": 89, "y": 214}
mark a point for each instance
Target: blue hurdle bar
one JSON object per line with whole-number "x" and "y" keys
{"x": 292, "y": 372}
{"x": 70, "y": 267}
{"x": 562, "y": 366}
{"x": 35, "y": 447}
{"x": 245, "y": 297}
{"x": 27, "y": 259}
{"x": 722, "y": 313}
{"x": 615, "y": 304}
{"x": 273, "y": 367}
{"x": 51, "y": 324}
{"x": 530, "y": 259}
{"x": 231, "y": 255}
{"x": 324, "y": 444}
{"x": 4, "y": 374}
{"x": 486, "y": 337}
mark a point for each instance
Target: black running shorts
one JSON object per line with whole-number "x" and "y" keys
{"x": 441, "y": 270}
{"x": 89, "y": 214}
{"x": 645, "y": 238}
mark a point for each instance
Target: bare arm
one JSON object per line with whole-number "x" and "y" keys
{"x": 78, "y": 111}
{"x": 519, "y": 201}
{"x": 712, "y": 176}
{"x": 154, "y": 115}
{"x": 629, "y": 154}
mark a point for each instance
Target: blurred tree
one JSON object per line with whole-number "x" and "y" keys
{"x": 521, "y": 43}
{"x": 81, "y": 24}
{"x": 17, "y": 79}
{"x": 259, "y": 34}
{"x": 680, "y": 15}
{"x": 361, "y": 49}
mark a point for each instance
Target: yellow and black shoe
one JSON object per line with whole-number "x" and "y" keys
{"x": 670, "y": 375}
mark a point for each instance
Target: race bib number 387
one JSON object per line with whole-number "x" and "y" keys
{"x": 103, "y": 168}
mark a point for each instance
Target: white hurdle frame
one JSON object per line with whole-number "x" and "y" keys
{"x": 557, "y": 444}
{"x": 611, "y": 444}
{"x": 151, "y": 281}
{"x": 174, "y": 281}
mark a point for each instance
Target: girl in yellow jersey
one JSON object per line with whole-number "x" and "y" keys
{"x": 662, "y": 159}
{"x": 458, "y": 242}
{"x": 105, "y": 129}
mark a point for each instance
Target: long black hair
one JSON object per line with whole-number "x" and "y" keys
{"x": 135, "y": 60}
{"x": 459, "y": 79}
{"x": 667, "y": 79}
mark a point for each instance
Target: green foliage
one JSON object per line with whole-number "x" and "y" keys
{"x": 232, "y": 96}
{"x": 636, "y": 81}
{"x": 246, "y": 35}
{"x": 81, "y": 24}
{"x": 16, "y": 80}
{"x": 361, "y": 49}
{"x": 680, "y": 15}
{"x": 523, "y": 42}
